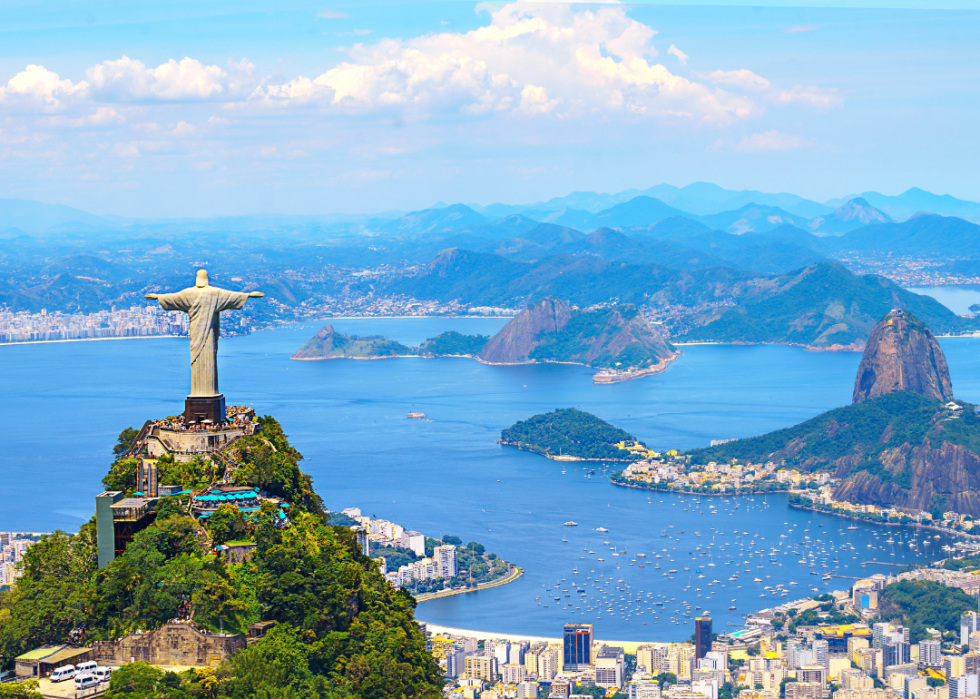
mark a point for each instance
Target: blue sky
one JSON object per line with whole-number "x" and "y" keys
{"x": 195, "y": 109}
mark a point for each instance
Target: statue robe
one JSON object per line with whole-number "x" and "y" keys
{"x": 203, "y": 305}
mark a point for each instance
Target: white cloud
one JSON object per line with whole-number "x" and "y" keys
{"x": 37, "y": 89}
{"x": 681, "y": 56}
{"x": 809, "y": 95}
{"x": 772, "y": 141}
{"x": 102, "y": 116}
{"x": 744, "y": 79}
{"x": 801, "y": 28}
{"x": 189, "y": 80}
{"x": 586, "y": 61}
{"x": 331, "y": 14}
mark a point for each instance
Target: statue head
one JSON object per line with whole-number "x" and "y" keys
{"x": 202, "y": 278}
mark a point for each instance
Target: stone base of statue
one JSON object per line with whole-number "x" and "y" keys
{"x": 188, "y": 440}
{"x": 209, "y": 410}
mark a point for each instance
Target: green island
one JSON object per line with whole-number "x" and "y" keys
{"x": 924, "y": 604}
{"x": 330, "y": 344}
{"x": 341, "y": 630}
{"x": 453, "y": 344}
{"x": 572, "y": 434}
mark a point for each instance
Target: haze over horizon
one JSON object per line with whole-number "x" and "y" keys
{"x": 361, "y": 107}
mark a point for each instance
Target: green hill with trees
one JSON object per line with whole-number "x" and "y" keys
{"x": 342, "y": 630}
{"x": 452, "y": 343}
{"x": 568, "y": 432}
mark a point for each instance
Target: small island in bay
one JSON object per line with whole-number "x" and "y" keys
{"x": 616, "y": 340}
{"x": 574, "y": 435}
{"x": 330, "y": 344}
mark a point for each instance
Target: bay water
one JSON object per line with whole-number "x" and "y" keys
{"x": 64, "y": 403}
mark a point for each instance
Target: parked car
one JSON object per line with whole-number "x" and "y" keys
{"x": 86, "y": 681}
{"x": 103, "y": 673}
{"x": 65, "y": 672}
{"x": 86, "y": 668}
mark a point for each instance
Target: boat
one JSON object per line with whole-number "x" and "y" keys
{"x": 416, "y": 416}
{"x": 601, "y": 529}
{"x": 571, "y": 524}
{"x": 851, "y": 528}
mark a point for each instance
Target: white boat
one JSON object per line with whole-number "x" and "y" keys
{"x": 571, "y": 524}
{"x": 601, "y": 529}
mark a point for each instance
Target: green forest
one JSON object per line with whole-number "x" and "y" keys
{"x": 568, "y": 432}
{"x": 342, "y": 630}
{"x": 454, "y": 343}
{"x": 922, "y": 604}
{"x": 869, "y": 429}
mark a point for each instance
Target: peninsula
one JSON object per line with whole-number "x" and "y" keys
{"x": 903, "y": 442}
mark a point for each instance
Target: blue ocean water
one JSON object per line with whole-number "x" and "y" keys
{"x": 65, "y": 403}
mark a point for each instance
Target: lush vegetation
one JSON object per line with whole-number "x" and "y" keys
{"x": 873, "y": 429}
{"x": 473, "y": 564}
{"x": 342, "y": 630}
{"x": 921, "y": 604}
{"x": 329, "y": 344}
{"x": 596, "y": 338}
{"x": 812, "y": 617}
{"x": 569, "y": 432}
{"x": 454, "y": 343}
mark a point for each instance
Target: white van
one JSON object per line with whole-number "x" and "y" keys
{"x": 86, "y": 668}
{"x": 86, "y": 681}
{"x": 65, "y": 672}
{"x": 102, "y": 674}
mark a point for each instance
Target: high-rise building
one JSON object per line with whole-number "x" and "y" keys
{"x": 445, "y": 557}
{"x": 821, "y": 653}
{"x": 577, "y": 647}
{"x": 512, "y": 674}
{"x": 879, "y": 631}
{"x": 930, "y": 653}
{"x": 610, "y": 667}
{"x": 702, "y": 636}
{"x": 968, "y": 624}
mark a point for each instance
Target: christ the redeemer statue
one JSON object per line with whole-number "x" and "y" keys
{"x": 204, "y": 303}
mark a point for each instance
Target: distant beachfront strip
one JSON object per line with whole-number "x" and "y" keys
{"x": 137, "y": 321}
{"x": 673, "y": 471}
{"x": 13, "y": 545}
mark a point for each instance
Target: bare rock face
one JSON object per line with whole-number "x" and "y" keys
{"x": 902, "y": 355}
{"x": 323, "y": 345}
{"x": 516, "y": 340}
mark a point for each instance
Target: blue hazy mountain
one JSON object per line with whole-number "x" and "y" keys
{"x": 752, "y": 218}
{"x": 639, "y": 211}
{"x": 704, "y": 198}
{"x": 916, "y": 200}
{"x": 38, "y": 217}
{"x": 849, "y": 216}
{"x": 457, "y": 217}
{"x": 925, "y": 234}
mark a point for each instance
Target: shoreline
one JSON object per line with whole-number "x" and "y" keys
{"x": 91, "y": 339}
{"x": 628, "y": 646}
{"x": 696, "y": 492}
{"x": 559, "y": 457}
{"x": 514, "y": 573}
{"x": 919, "y": 525}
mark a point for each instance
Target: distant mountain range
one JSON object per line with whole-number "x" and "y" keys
{"x": 715, "y": 207}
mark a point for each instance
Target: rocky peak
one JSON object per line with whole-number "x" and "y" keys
{"x": 902, "y": 355}
{"x": 522, "y": 334}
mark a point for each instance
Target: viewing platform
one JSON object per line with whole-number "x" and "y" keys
{"x": 175, "y": 435}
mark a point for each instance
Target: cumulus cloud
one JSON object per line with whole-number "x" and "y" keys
{"x": 744, "y": 79}
{"x": 812, "y": 96}
{"x": 37, "y": 89}
{"x": 772, "y": 141}
{"x": 681, "y": 56}
{"x": 543, "y": 59}
{"x": 188, "y": 80}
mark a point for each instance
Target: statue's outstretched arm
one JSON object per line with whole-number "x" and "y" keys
{"x": 152, "y": 296}
{"x": 255, "y": 294}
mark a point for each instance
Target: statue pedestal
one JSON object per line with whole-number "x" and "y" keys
{"x": 197, "y": 409}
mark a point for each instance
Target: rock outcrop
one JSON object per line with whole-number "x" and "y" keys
{"x": 618, "y": 338}
{"x": 902, "y": 355}
{"x": 329, "y": 344}
{"x": 516, "y": 340}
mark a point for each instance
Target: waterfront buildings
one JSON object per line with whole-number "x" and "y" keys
{"x": 702, "y": 637}
{"x": 136, "y": 321}
{"x": 577, "y": 647}
{"x": 13, "y": 546}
